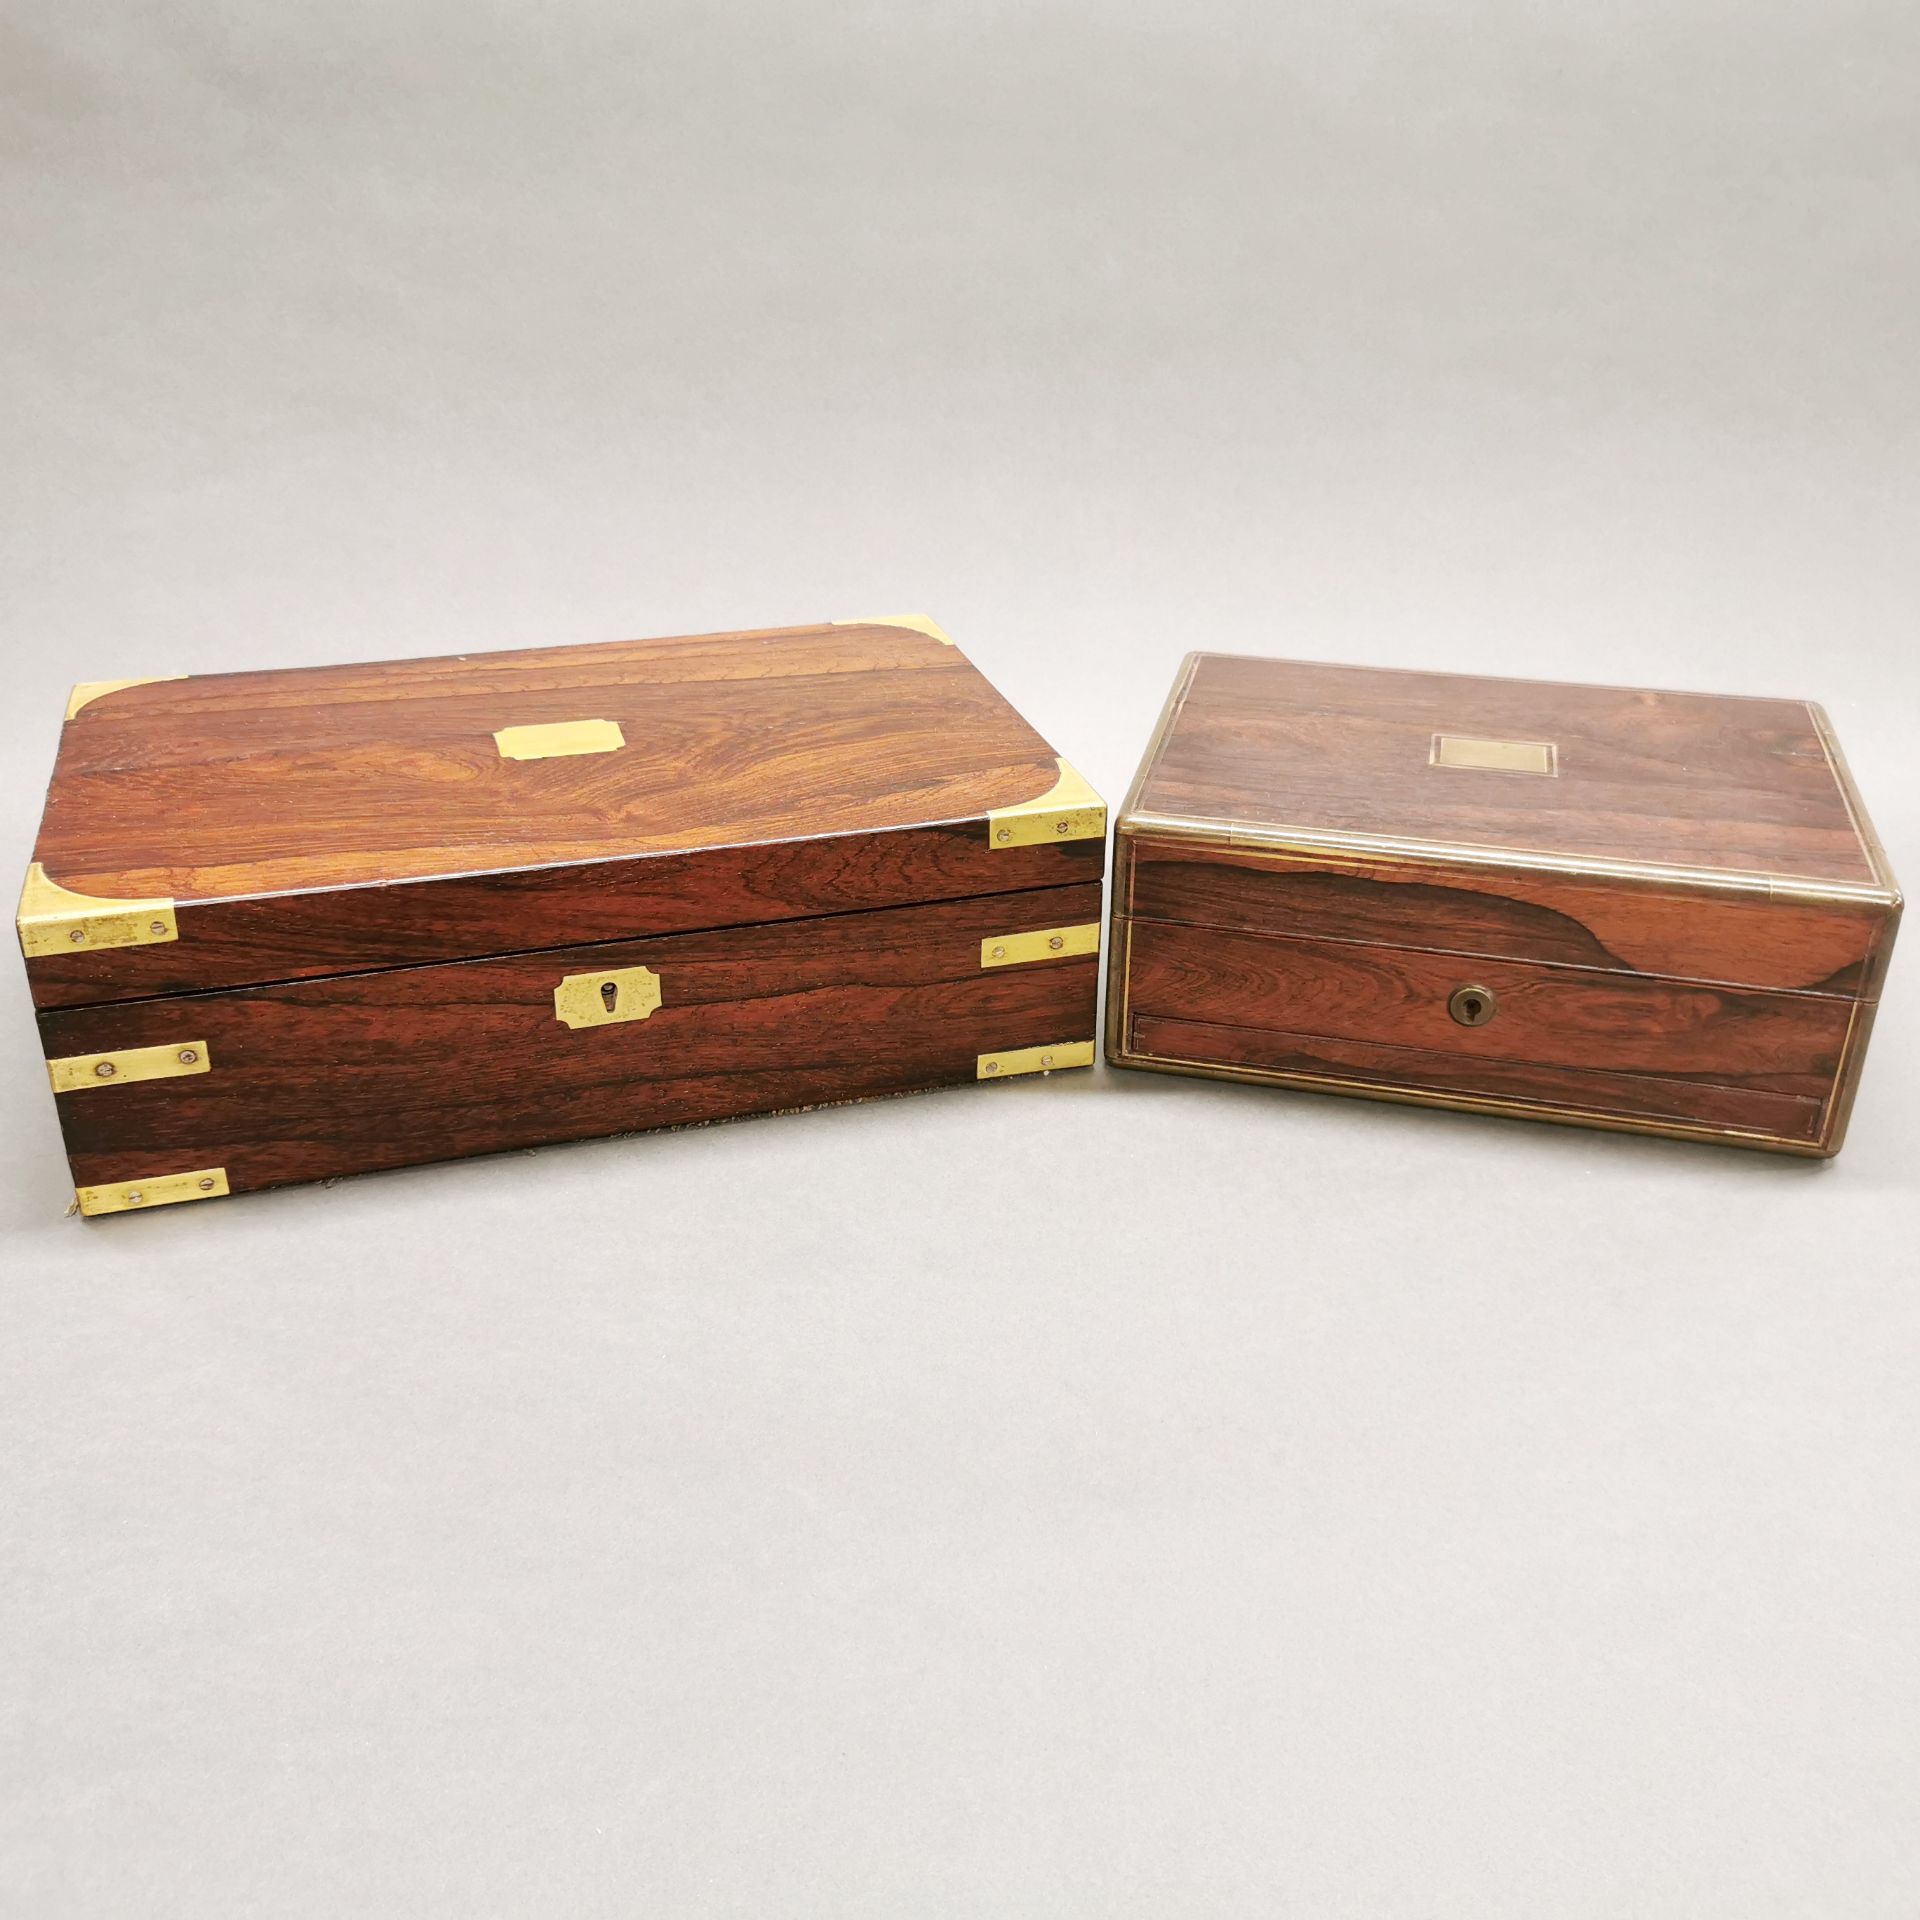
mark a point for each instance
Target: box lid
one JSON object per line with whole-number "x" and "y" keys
{"x": 231, "y": 829}
{"x": 1668, "y": 786}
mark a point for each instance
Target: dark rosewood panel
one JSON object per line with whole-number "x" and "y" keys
{"x": 328, "y": 819}
{"x": 1565, "y": 1018}
{"x": 1678, "y": 779}
{"x": 293, "y": 936}
{"x": 1736, "y": 938}
{"x": 1362, "y": 1066}
{"x": 339, "y": 1075}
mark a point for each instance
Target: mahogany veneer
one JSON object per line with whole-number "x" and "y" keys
{"x": 346, "y": 895}
{"x": 1665, "y": 912}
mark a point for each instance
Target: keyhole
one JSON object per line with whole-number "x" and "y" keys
{"x": 609, "y": 993}
{"x": 1472, "y": 1006}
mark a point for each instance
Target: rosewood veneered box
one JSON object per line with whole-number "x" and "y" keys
{"x": 286, "y": 925}
{"x": 1664, "y": 912}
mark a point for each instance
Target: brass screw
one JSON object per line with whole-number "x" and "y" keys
{"x": 1063, "y": 826}
{"x": 78, "y": 934}
{"x": 1046, "y": 1059}
{"x": 1005, "y": 833}
{"x": 1056, "y": 943}
{"x": 188, "y": 1056}
{"x": 134, "y": 1199}
{"x": 999, "y": 953}
{"x": 156, "y": 926}
{"x": 993, "y": 1066}
{"x": 206, "y": 1186}
{"x": 105, "y": 1070}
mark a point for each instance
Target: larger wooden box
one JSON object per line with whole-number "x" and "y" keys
{"x": 1664, "y": 912}
{"x": 286, "y": 925}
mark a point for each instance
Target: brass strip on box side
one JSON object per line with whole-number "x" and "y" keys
{"x": 913, "y": 622}
{"x": 90, "y": 690}
{"x": 1494, "y": 756}
{"x": 1050, "y": 943}
{"x": 54, "y": 919}
{"x": 76, "y": 1072}
{"x": 1474, "y": 1103}
{"x": 606, "y": 999}
{"x": 1062, "y": 1053}
{"x": 1068, "y": 810}
{"x": 559, "y": 739}
{"x": 159, "y": 1190}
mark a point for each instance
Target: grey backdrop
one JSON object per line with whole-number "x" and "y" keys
{"x": 1110, "y": 1495}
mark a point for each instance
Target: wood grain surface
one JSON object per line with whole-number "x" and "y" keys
{"x": 313, "y": 1078}
{"x": 1702, "y": 781}
{"x": 311, "y": 820}
{"x": 1736, "y": 937}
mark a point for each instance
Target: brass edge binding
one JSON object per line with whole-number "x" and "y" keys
{"x": 157, "y": 1190}
{"x": 1062, "y": 1053}
{"x": 54, "y": 919}
{"x": 1068, "y": 810}
{"x": 79, "y": 1072}
{"x": 1050, "y": 943}
{"x": 89, "y": 691}
{"x": 914, "y": 622}
{"x": 1322, "y": 843}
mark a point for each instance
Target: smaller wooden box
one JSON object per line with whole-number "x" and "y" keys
{"x": 1664, "y": 912}
{"x": 286, "y": 925}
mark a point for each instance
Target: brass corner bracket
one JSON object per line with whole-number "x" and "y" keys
{"x": 913, "y": 622}
{"x": 162, "y": 1190}
{"x": 89, "y": 691}
{"x": 54, "y": 919}
{"x": 1050, "y": 943}
{"x": 83, "y": 1072}
{"x": 1062, "y": 1053}
{"x": 1068, "y": 810}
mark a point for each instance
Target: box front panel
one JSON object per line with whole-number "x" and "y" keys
{"x": 1554, "y": 1040}
{"x": 308, "y": 1079}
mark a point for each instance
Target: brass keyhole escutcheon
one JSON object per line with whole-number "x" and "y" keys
{"x": 1473, "y": 1006}
{"x": 609, "y": 993}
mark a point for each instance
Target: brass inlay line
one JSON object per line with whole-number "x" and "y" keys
{"x": 1062, "y": 1053}
{"x": 1050, "y": 943}
{"x": 54, "y": 919}
{"x": 1310, "y": 843}
{"x": 160, "y": 1190}
{"x": 1068, "y": 810}
{"x": 76, "y": 1072}
{"x": 559, "y": 739}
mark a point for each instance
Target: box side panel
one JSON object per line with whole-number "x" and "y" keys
{"x": 306, "y": 1080}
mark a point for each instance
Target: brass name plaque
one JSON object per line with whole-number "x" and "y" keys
{"x": 556, "y": 739}
{"x": 1495, "y": 756}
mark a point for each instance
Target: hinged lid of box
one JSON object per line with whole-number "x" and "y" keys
{"x": 1694, "y": 835}
{"x": 232, "y": 829}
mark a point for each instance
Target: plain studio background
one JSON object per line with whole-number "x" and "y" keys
{"x": 1107, "y": 1495}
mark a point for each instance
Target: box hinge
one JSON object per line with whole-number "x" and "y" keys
{"x": 1063, "y": 1053}
{"x": 76, "y": 1072}
{"x": 1068, "y": 810}
{"x": 161, "y": 1190}
{"x": 1050, "y": 943}
{"x": 54, "y": 919}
